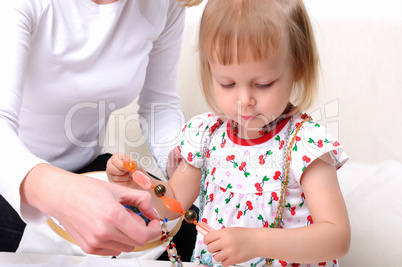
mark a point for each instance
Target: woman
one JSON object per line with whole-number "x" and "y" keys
{"x": 66, "y": 65}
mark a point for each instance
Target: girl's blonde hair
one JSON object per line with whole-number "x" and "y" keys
{"x": 190, "y": 3}
{"x": 252, "y": 30}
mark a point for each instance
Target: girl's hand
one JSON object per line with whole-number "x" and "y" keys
{"x": 92, "y": 210}
{"x": 117, "y": 172}
{"x": 231, "y": 245}
{"x": 174, "y": 160}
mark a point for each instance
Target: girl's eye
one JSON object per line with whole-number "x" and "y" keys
{"x": 263, "y": 86}
{"x": 227, "y": 86}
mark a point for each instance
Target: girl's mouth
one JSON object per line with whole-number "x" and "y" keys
{"x": 249, "y": 118}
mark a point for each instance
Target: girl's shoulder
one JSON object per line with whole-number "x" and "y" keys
{"x": 205, "y": 122}
{"x": 311, "y": 142}
{"x": 193, "y": 135}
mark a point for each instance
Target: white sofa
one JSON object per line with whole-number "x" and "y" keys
{"x": 360, "y": 46}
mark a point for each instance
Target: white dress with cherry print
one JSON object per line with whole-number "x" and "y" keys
{"x": 244, "y": 177}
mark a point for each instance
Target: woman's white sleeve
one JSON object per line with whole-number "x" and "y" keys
{"x": 160, "y": 110}
{"x": 16, "y": 23}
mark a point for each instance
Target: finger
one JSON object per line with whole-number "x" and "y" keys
{"x": 142, "y": 200}
{"x": 211, "y": 237}
{"x": 109, "y": 248}
{"x": 140, "y": 233}
{"x": 117, "y": 162}
{"x": 177, "y": 156}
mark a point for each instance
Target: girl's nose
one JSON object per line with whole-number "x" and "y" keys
{"x": 246, "y": 97}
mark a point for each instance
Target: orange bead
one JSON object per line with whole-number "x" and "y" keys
{"x": 172, "y": 204}
{"x": 130, "y": 166}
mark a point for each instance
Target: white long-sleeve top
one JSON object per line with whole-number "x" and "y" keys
{"x": 66, "y": 65}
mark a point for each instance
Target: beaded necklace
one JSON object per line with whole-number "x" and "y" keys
{"x": 190, "y": 216}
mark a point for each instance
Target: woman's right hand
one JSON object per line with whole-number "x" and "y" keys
{"x": 92, "y": 210}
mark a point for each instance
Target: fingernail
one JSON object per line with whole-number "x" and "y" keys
{"x": 157, "y": 213}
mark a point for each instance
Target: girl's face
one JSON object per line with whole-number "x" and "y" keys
{"x": 254, "y": 94}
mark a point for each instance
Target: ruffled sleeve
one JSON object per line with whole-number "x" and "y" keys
{"x": 192, "y": 137}
{"x": 312, "y": 141}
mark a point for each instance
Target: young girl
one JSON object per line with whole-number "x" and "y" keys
{"x": 266, "y": 173}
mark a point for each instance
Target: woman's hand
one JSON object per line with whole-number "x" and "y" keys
{"x": 231, "y": 245}
{"x": 92, "y": 210}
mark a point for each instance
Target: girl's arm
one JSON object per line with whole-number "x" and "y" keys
{"x": 184, "y": 185}
{"x": 325, "y": 240}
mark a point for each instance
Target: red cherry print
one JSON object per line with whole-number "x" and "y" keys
{"x": 293, "y": 211}
{"x": 266, "y": 225}
{"x": 228, "y": 158}
{"x": 336, "y": 144}
{"x": 298, "y": 138}
{"x": 320, "y": 144}
{"x": 232, "y": 157}
{"x": 213, "y": 171}
{"x": 178, "y": 147}
{"x": 283, "y": 263}
{"x": 239, "y": 214}
{"x": 208, "y": 154}
{"x": 223, "y": 189}
{"x": 275, "y": 196}
{"x": 322, "y": 264}
{"x": 262, "y": 160}
{"x": 205, "y": 220}
{"x": 277, "y": 174}
{"x": 282, "y": 144}
{"x": 242, "y": 166}
{"x": 306, "y": 159}
{"x": 190, "y": 157}
{"x": 257, "y": 186}
{"x": 249, "y": 205}
{"x": 223, "y": 143}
